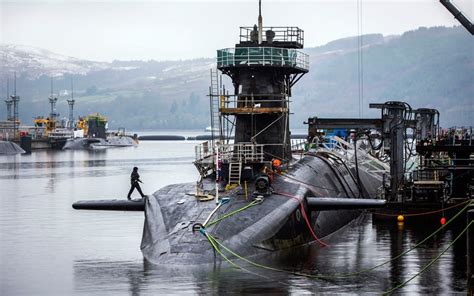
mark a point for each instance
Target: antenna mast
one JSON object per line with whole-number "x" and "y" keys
{"x": 52, "y": 102}
{"x": 71, "y": 107}
{"x": 260, "y": 22}
{"x": 9, "y": 102}
{"x": 15, "y": 100}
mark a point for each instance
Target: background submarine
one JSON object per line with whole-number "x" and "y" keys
{"x": 242, "y": 199}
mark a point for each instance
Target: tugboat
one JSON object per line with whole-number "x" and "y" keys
{"x": 253, "y": 196}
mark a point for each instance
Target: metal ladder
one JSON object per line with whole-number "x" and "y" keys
{"x": 235, "y": 171}
{"x": 214, "y": 104}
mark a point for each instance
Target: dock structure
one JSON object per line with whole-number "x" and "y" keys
{"x": 423, "y": 166}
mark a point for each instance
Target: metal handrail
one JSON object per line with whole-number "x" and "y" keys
{"x": 241, "y": 152}
{"x": 282, "y": 34}
{"x": 367, "y": 162}
{"x": 263, "y": 56}
{"x": 250, "y": 101}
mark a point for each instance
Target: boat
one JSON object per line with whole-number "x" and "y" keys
{"x": 58, "y": 137}
{"x": 95, "y": 136}
{"x": 254, "y": 196}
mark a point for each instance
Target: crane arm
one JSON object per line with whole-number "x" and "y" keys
{"x": 458, "y": 15}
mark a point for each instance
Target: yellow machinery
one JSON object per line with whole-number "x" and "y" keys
{"x": 82, "y": 125}
{"x": 46, "y": 123}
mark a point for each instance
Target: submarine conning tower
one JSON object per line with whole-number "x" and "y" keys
{"x": 263, "y": 66}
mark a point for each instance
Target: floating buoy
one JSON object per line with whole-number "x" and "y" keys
{"x": 442, "y": 221}
{"x": 400, "y": 218}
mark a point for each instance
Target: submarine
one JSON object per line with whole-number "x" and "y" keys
{"x": 254, "y": 195}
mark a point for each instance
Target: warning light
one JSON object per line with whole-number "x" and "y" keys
{"x": 400, "y": 218}
{"x": 442, "y": 221}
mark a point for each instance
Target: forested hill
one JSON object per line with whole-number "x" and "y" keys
{"x": 427, "y": 67}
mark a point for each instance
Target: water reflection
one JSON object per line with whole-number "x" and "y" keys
{"x": 142, "y": 278}
{"x": 356, "y": 248}
{"x": 48, "y": 248}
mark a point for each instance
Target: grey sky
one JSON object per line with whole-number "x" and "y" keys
{"x": 164, "y": 30}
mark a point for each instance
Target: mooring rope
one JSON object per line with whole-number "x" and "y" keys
{"x": 426, "y": 213}
{"x": 253, "y": 203}
{"x": 409, "y": 250}
{"x": 430, "y": 263}
{"x": 214, "y": 242}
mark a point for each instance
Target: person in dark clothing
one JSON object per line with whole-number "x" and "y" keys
{"x": 135, "y": 180}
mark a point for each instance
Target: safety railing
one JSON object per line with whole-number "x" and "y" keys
{"x": 299, "y": 144}
{"x": 241, "y": 152}
{"x": 280, "y": 34}
{"x": 262, "y": 56}
{"x": 204, "y": 151}
{"x": 367, "y": 162}
{"x": 253, "y": 101}
{"x": 427, "y": 175}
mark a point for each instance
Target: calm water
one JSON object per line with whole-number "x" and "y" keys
{"x": 47, "y": 248}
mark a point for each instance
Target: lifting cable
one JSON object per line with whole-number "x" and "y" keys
{"x": 360, "y": 60}
{"x": 214, "y": 243}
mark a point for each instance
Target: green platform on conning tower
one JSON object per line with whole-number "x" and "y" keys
{"x": 292, "y": 59}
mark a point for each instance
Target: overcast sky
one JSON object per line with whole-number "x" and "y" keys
{"x": 164, "y": 30}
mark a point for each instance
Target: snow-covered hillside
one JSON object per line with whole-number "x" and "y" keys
{"x": 34, "y": 62}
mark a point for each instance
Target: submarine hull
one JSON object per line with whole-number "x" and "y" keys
{"x": 277, "y": 223}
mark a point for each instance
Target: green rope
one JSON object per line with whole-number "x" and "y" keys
{"x": 217, "y": 249}
{"x": 429, "y": 264}
{"x": 253, "y": 203}
{"x": 407, "y": 251}
{"x": 212, "y": 242}
{"x": 335, "y": 275}
{"x": 255, "y": 263}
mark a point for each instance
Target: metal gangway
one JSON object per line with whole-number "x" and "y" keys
{"x": 365, "y": 161}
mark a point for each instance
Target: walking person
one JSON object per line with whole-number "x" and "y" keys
{"x": 135, "y": 180}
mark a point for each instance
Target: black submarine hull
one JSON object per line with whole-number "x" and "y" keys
{"x": 278, "y": 223}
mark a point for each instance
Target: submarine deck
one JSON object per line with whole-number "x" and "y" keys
{"x": 276, "y": 223}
